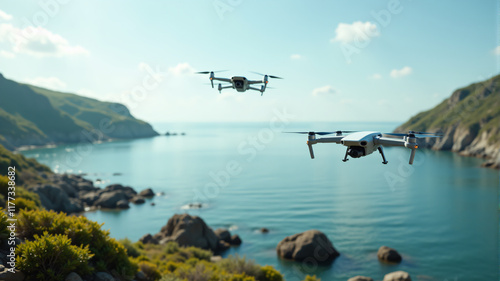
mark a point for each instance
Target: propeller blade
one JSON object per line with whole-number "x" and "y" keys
{"x": 270, "y": 76}
{"x": 208, "y": 72}
{"x": 413, "y": 134}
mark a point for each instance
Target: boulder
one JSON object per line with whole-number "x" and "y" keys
{"x": 222, "y": 246}
{"x": 88, "y": 197}
{"x": 103, "y": 276}
{"x": 360, "y": 278}
{"x": 264, "y": 230}
{"x": 148, "y": 238}
{"x": 311, "y": 244}
{"x": 73, "y": 276}
{"x": 235, "y": 240}
{"x": 397, "y": 276}
{"x": 223, "y": 234}
{"x": 128, "y": 191}
{"x": 147, "y": 193}
{"x": 188, "y": 230}
{"x": 110, "y": 199}
{"x": 122, "y": 204}
{"x": 17, "y": 275}
{"x": 55, "y": 198}
{"x": 138, "y": 200}
{"x": 387, "y": 254}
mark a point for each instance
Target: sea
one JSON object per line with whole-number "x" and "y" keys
{"x": 441, "y": 213}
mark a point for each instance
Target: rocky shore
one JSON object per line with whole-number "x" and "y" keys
{"x": 74, "y": 194}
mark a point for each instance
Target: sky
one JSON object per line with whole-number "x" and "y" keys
{"x": 341, "y": 61}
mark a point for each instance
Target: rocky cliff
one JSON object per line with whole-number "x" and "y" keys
{"x": 31, "y": 115}
{"x": 469, "y": 121}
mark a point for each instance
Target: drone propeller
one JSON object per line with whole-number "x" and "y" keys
{"x": 322, "y": 133}
{"x": 270, "y": 76}
{"x": 208, "y": 72}
{"x": 418, "y": 135}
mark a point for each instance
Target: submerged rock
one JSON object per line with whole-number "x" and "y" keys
{"x": 387, "y": 254}
{"x": 360, "y": 278}
{"x": 309, "y": 244}
{"x": 397, "y": 276}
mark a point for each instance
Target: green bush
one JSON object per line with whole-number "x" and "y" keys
{"x": 52, "y": 257}
{"x": 236, "y": 264}
{"x": 25, "y": 204}
{"x": 109, "y": 254}
{"x": 269, "y": 273}
{"x": 4, "y": 231}
{"x": 150, "y": 270}
{"x": 132, "y": 250}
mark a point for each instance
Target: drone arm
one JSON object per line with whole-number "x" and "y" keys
{"x": 255, "y": 89}
{"x": 329, "y": 140}
{"x": 389, "y": 141}
{"x": 221, "y": 79}
{"x": 250, "y": 82}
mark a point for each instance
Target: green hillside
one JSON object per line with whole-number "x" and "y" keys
{"x": 32, "y": 115}
{"x": 469, "y": 120}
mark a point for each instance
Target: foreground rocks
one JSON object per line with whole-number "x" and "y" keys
{"x": 189, "y": 230}
{"x": 387, "y": 254}
{"x": 312, "y": 244}
{"x": 397, "y": 276}
{"x": 72, "y": 194}
{"x": 360, "y": 278}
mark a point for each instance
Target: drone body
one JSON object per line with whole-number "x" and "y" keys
{"x": 239, "y": 83}
{"x": 364, "y": 143}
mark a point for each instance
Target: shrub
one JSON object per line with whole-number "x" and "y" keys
{"x": 150, "y": 270}
{"x": 132, "y": 250}
{"x": 109, "y": 254}
{"x": 27, "y": 204}
{"x": 52, "y": 257}
{"x": 269, "y": 273}
{"x": 4, "y": 231}
{"x": 236, "y": 264}
{"x": 311, "y": 278}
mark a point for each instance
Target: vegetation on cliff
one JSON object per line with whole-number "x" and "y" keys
{"x": 35, "y": 116}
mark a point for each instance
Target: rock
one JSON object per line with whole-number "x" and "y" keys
{"x": 387, "y": 254}
{"x": 147, "y": 193}
{"x": 264, "y": 230}
{"x": 122, "y": 204}
{"x": 55, "y": 198}
{"x": 306, "y": 245}
{"x": 222, "y": 246}
{"x": 215, "y": 258}
{"x": 103, "y": 276}
{"x": 70, "y": 190}
{"x": 223, "y": 234}
{"x": 397, "y": 276}
{"x": 188, "y": 230}
{"x": 235, "y": 240}
{"x": 153, "y": 203}
{"x": 360, "y": 278}
{"x": 7, "y": 275}
{"x": 148, "y": 238}
{"x": 88, "y": 197}
{"x": 128, "y": 191}
{"x": 138, "y": 200}
{"x": 73, "y": 276}
{"x": 110, "y": 199}
{"x": 141, "y": 276}
{"x": 85, "y": 186}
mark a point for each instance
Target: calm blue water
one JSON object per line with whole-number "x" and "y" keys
{"x": 441, "y": 213}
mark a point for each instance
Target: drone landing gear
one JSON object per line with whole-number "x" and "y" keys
{"x": 345, "y": 157}
{"x": 383, "y": 156}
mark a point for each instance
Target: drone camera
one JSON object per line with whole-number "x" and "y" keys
{"x": 356, "y": 151}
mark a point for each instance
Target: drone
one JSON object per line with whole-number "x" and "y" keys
{"x": 364, "y": 143}
{"x": 240, "y": 83}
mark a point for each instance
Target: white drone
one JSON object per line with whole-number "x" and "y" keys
{"x": 239, "y": 83}
{"x": 360, "y": 144}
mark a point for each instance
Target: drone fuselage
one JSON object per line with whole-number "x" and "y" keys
{"x": 361, "y": 143}
{"x": 240, "y": 83}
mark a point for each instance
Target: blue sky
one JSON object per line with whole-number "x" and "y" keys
{"x": 341, "y": 60}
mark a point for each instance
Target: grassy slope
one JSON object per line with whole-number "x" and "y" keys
{"x": 479, "y": 110}
{"x": 33, "y": 115}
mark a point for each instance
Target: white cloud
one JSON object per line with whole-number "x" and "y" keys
{"x": 496, "y": 51}
{"x": 38, "y": 42}
{"x": 6, "y": 54}
{"x": 295, "y": 57}
{"x": 5, "y": 16}
{"x": 325, "y": 90}
{"x": 181, "y": 69}
{"x": 357, "y": 31}
{"x": 396, "y": 73}
{"x": 52, "y": 83}
{"x": 375, "y": 76}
